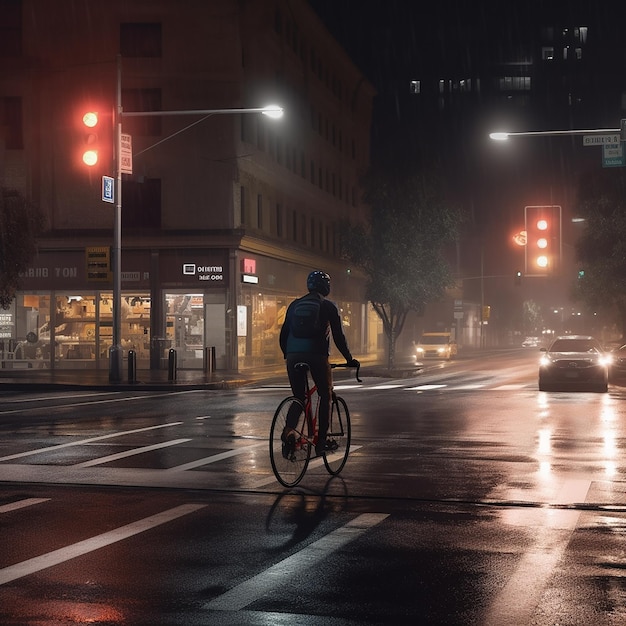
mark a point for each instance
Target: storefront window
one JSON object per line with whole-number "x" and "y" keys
{"x": 25, "y": 332}
{"x": 75, "y": 329}
{"x": 185, "y": 328}
{"x": 135, "y": 326}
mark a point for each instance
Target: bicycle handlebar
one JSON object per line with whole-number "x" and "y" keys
{"x": 358, "y": 369}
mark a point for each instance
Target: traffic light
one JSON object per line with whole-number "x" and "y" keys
{"x": 90, "y": 138}
{"x": 518, "y": 278}
{"x": 543, "y": 239}
{"x": 92, "y": 141}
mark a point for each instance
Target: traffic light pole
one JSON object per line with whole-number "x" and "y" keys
{"x": 116, "y": 351}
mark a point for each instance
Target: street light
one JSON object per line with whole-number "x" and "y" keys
{"x": 116, "y": 351}
{"x": 503, "y": 136}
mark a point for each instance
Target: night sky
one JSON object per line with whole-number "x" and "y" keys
{"x": 395, "y": 41}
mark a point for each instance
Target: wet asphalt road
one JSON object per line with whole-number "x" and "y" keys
{"x": 469, "y": 498}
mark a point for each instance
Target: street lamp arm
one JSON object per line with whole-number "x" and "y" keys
{"x": 272, "y": 111}
{"x": 503, "y": 136}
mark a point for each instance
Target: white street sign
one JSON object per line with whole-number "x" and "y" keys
{"x": 598, "y": 140}
{"x": 108, "y": 189}
{"x": 126, "y": 154}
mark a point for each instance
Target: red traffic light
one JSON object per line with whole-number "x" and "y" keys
{"x": 543, "y": 238}
{"x": 90, "y": 153}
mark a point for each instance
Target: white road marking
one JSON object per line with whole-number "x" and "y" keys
{"x": 376, "y": 387}
{"x": 127, "y": 453}
{"x": 426, "y": 387}
{"x": 38, "y": 563}
{"x": 80, "y": 442}
{"x": 20, "y": 504}
{"x": 214, "y": 458}
{"x": 515, "y": 604}
{"x": 508, "y": 387}
{"x": 264, "y": 583}
{"x": 313, "y": 463}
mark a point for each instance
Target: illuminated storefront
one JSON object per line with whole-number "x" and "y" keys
{"x": 198, "y": 302}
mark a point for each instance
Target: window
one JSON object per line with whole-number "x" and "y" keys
{"x": 142, "y": 204}
{"x": 142, "y": 100}
{"x": 242, "y": 205}
{"x": 547, "y": 53}
{"x": 140, "y": 40}
{"x": 11, "y": 123}
{"x": 415, "y": 86}
{"x": 10, "y": 28}
{"x": 259, "y": 211}
{"x": 279, "y": 220}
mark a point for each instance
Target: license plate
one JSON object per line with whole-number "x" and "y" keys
{"x": 571, "y": 374}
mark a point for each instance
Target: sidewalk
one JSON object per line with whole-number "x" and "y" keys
{"x": 158, "y": 380}
{"x": 152, "y": 380}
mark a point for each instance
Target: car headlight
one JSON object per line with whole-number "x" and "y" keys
{"x": 544, "y": 360}
{"x": 606, "y": 359}
{"x": 419, "y": 350}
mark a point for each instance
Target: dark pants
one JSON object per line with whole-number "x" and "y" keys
{"x": 319, "y": 366}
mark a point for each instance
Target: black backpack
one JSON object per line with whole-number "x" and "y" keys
{"x": 305, "y": 317}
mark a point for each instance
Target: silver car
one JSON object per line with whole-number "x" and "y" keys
{"x": 574, "y": 362}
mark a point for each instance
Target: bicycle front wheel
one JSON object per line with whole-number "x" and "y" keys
{"x": 339, "y": 435}
{"x": 289, "y": 463}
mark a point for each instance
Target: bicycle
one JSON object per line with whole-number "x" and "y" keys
{"x": 289, "y": 467}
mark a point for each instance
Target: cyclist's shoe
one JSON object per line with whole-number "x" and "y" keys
{"x": 289, "y": 442}
{"x": 325, "y": 446}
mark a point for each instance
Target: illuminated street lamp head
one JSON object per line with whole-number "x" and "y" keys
{"x": 499, "y": 136}
{"x": 273, "y": 111}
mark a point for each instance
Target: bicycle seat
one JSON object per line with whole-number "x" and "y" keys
{"x": 301, "y": 366}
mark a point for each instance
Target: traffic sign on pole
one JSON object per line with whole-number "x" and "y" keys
{"x": 108, "y": 189}
{"x": 599, "y": 140}
{"x": 126, "y": 154}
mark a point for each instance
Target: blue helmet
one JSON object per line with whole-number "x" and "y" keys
{"x": 318, "y": 281}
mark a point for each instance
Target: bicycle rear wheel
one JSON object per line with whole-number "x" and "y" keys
{"x": 339, "y": 435}
{"x": 289, "y": 466}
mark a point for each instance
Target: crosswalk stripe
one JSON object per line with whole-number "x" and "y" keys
{"x": 20, "y": 504}
{"x": 284, "y": 571}
{"x": 127, "y": 453}
{"x": 38, "y": 563}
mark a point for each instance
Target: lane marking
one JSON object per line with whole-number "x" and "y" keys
{"x": 127, "y": 453}
{"x": 20, "y": 504}
{"x": 214, "y": 458}
{"x": 522, "y": 593}
{"x": 127, "y": 399}
{"x": 38, "y": 563}
{"x": 80, "y": 442}
{"x": 313, "y": 463}
{"x": 425, "y": 387}
{"x": 265, "y": 582}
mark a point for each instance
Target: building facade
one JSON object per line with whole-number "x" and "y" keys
{"x": 224, "y": 213}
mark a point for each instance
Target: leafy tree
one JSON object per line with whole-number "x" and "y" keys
{"x": 401, "y": 248}
{"x": 601, "y": 248}
{"x": 20, "y": 224}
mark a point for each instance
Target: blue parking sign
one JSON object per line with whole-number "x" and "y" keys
{"x": 108, "y": 189}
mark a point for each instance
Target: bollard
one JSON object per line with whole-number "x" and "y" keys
{"x": 171, "y": 365}
{"x": 209, "y": 359}
{"x": 132, "y": 366}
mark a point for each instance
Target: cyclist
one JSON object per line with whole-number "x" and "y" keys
{"x": 305, "y": 339}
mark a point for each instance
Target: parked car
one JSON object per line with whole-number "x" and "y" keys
{"x": 436, "y": 345}
{"x": 530, "y": 342}
{"x": 574, "y": 362}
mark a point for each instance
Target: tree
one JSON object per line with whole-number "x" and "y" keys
{"x": 401, "y": 248}
{"x": 601, "y": 248}
{"x": 20, "y": 224}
